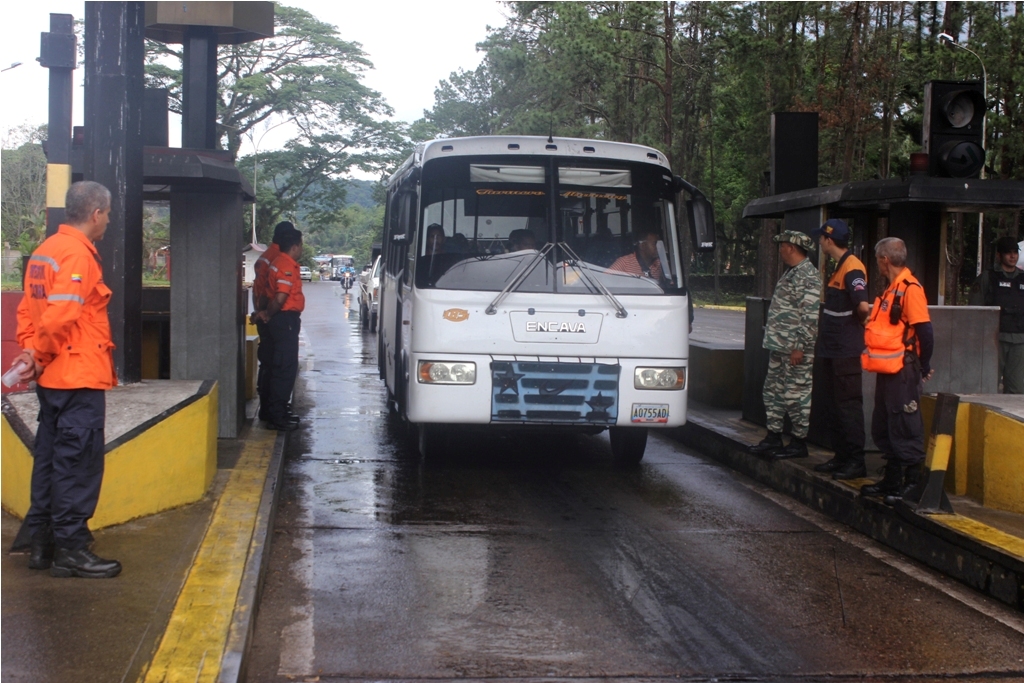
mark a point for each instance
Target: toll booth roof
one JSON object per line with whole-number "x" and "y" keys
{"x": 952, "y": 194}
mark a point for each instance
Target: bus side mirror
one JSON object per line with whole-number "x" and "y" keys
{"x": 702, "y": 223}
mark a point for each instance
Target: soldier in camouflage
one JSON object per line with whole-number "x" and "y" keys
{"x": 789, "y": 336}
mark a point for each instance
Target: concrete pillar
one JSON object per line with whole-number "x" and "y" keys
{"x": 199, "y": 88}
{"x": 207, "y": 315}
{"x": 114, "y": 85}
{"x": 58, "y": 52}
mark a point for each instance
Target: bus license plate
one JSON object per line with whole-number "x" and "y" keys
{"x": 650, "y": 412}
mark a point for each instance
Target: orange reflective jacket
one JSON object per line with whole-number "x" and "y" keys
{"x": 262, "y": 286}
{"x": 62, "y": 318}
{"x": 285, "y": 279}
{"x": 889, "y": 334}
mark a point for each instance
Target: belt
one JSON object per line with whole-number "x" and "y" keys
{"x": 837, "y": 314}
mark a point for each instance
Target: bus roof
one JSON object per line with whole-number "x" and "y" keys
{"x": 529, "y": 145}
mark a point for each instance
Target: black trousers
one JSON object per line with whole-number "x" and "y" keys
{"x": 265, "y": 355}
{"x": 68, "y": 464}
{"x": 844, "y": 406}
{"x": 284, "y": 364}
{"x": 896, "y": 424}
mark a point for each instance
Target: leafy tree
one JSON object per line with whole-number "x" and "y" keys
{"x": 23, "y": 183}
{"x": 308, "y": 74}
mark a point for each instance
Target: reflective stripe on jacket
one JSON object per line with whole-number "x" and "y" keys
{"x": 62, "y": 318}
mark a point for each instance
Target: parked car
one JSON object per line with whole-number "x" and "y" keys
{"x": 305, "y": 273}
{"x": 369, "y": 291}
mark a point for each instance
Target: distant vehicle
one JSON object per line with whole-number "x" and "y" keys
{"x": 305, "y": 273}
{"x": 339, "y": 263}
{"x": 369, "y": 296}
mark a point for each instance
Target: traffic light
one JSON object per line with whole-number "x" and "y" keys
{"x": 954, "y": 115}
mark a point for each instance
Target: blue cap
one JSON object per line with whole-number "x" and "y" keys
{"x": 835, "y": 229}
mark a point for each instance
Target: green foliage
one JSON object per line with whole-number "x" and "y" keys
{"x": 700, "y": 81}
{"x": 308, "y": 76}
{"x": 23, "y": 188}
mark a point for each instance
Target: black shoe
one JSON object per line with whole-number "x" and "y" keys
{"x": 851, "y": 469}
{"x": 284, "y": 426}
{"x": 830, "y": 466}
{"x": 42, "y": 549}
{"x": 83, "y": 563}
{"x": 768, "y": 445}
{"x": 889, "y": 485}
{"x": 911, "y": 477}
{"x": 797, "y": 448}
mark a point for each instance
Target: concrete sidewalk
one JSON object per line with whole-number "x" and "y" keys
{"x": 184, "y": 605}
{"x": 982, "y": 547}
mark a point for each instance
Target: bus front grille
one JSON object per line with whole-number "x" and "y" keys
{"x": 581, "y": 393}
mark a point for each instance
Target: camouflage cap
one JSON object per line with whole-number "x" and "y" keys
{"x": 796, "y": 237}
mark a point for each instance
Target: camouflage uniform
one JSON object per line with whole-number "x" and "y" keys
{"x": 792, "y": 325}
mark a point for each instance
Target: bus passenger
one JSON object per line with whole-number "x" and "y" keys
{"x": 521, "y": 239}
{"x": 644, "y": 260}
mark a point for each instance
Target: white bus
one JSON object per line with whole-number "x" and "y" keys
{"x": 536, "y": 283}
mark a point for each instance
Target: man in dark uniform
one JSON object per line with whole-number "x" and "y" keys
{"x": 840, "y": 342}
{"x": 1003, "y": 286}
{"x": 281, "y": 317}
{"x": 262, "y": 292}
{"x": 64, "y": 331}
{"x": 898, "y": 343}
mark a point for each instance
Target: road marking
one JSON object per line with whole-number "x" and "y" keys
{"x": 298, "y": 639}
{"x": 946, "y": 585}
{"x": 193, "y": 644}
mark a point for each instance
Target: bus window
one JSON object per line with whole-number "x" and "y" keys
{"x": 480, "y": 223}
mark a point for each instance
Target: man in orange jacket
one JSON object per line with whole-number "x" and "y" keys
{"x": 282, "y": 319}
{"x": 263, "y": 289}
{"x": 64, "y": 331}
{"x": 898, "y": 344}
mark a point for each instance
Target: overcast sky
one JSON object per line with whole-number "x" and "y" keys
{"x": 412, "y": 45}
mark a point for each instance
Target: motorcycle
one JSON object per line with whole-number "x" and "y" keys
{"x": 347, "y": 281}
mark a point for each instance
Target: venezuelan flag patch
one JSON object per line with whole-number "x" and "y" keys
{"x": 75, "y": 277}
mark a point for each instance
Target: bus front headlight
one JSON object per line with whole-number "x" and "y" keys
{"x": 444, "y": 372}
{"x": 665, "y": 379}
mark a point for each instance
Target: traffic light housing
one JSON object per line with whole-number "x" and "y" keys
{"x": 954, "y": 115}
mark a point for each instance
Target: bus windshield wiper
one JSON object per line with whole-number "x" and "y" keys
{"x": 620, "y": 310}
{"x": 518, "y": 279}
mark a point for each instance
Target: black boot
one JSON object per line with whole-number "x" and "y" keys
{"x": 851, "y": 469}
{"x": 83, "y": 563}
{"x": 890, "y": 482}
{"x": 911, "y": 476}
{"x": 768, "y": 445}
{"x": 41, "y": 553}
{"x": 832, "y": 465}
{"x": 796, "y": 449}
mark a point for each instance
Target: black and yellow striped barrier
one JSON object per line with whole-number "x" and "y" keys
{"x": 929, "y": 494}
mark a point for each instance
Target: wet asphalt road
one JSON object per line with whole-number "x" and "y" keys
{"x": 537, "y": 558}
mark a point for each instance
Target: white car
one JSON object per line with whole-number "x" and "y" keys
{"x": 369, "y": 296}
{"x": 305, "y": 273}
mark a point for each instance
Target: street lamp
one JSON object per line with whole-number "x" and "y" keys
{"x": 255, "y": 160}
{"x": 12, "y": 66}
{"x": 949, "y": 40}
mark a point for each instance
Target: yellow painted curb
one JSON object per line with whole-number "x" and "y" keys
{"x": 170, "y": 464}
{"x": 982, "y": 532}
{"x": 192, "y": 647}
{"x": 717, "y": 307}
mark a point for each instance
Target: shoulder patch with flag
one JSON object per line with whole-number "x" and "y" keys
{"x": 75, "y": 277}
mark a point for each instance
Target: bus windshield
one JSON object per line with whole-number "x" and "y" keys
{"x": 483, "y": 224}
